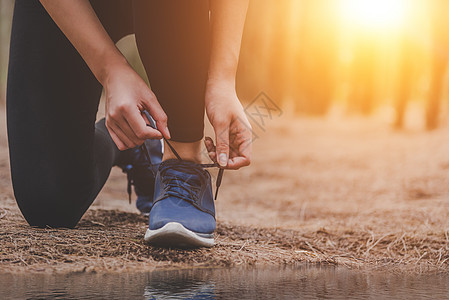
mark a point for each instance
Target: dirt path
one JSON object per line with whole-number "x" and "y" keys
{"x": 352, "y": 193}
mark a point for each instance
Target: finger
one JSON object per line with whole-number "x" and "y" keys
{"x": 120, "y": 145}
{"x": 139, "y": 128}
{"x": 210, "y": 147}
{"x": 240, "y": 154}
{"x": 116, "y": 121}
{"x": 241, "y": 142}
{"x": 123, "y": 137}
{"x": 149, "y": 121}
{"x": 121, "y": 122}
{"x": 222, "y": 139}
{"x": 233, "y": 145}
{"x": 157, "y": 113}
{"x": 209, "y": 143}
{"x": 246, "y": 146}
{"x": 129, "y": 132}
{"x": 236, "y": 163}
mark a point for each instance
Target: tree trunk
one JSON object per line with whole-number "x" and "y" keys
{"x": 405, "y": 81}
{"x": 439, "y": 61}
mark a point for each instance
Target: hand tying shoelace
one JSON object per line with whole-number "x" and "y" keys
{"x": 213, "y": 165}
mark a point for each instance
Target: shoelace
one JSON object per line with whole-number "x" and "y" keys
{"x": 186, "y": 188}
{"x": 144, "y": 148}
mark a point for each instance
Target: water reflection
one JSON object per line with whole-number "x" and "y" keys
{"x": 307, "y": 282}
{"x": 181, "y": 284}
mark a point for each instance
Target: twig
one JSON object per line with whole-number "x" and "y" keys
{"x": 97, "y": 223}
{"x": 244, "y": 244}
{"x": 403, "y": 244}
{"x": 310, "y": 246}
{"x": 439, "y": 256}
{"x": 443, "y": 261}
{"x": 3, "y": 214}
{"x": 377, "y": 242}
{"x": 420, "y": 257}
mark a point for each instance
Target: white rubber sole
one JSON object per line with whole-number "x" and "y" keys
{"x": 177, "y": 236}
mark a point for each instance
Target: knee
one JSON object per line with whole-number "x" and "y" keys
{"x": 49, "y": 220}
{"x": 50, "y": 223}
{"x": 47, "y": 214}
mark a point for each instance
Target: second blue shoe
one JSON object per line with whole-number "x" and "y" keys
{"x": 141, "y": 172}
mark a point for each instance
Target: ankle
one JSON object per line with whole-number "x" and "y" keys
{"x": 187, "y": 151}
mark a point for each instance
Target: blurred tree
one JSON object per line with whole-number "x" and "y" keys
{"x": 279, "y": 59}
{"x": 440, "y": 58}
{"x": 362, "y": 92}
{"x": 406, "y": 57}
{"x": 289, "y": 51}
{"x": 253, "y": 71}
{"x": 317, "y": 56}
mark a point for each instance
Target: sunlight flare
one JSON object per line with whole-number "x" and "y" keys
{"x": 374, "y": 14}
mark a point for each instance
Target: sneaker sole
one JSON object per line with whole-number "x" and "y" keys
{"x": 177, "y": 236}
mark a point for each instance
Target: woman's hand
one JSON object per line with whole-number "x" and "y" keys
{"x": 232, "y": 130}
{"x": 127, "y": 95}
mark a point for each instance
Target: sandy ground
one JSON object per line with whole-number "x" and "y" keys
{"x": 353, "y": 193}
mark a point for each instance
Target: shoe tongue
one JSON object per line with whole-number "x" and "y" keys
{"x": 184, "y": 171}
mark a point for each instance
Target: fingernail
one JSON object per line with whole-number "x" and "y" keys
{"x": 223, "y": 159}
{"x": 168, "y": 133}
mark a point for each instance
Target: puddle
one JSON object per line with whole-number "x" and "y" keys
{"x": 305, "y": 282}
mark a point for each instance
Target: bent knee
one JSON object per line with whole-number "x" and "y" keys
{"x": 47, "y": 215}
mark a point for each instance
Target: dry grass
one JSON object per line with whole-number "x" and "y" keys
{"x": 108, "y": 240}
{"x": 351, "y": 193}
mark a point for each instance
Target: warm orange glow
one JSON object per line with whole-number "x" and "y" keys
{"x": 374, "y": 14}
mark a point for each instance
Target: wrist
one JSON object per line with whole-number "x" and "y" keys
{"x": 112, "y": 64}
{"x": 221, "y": 82}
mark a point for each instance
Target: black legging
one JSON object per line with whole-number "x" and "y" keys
{"x": 59, "y": 159}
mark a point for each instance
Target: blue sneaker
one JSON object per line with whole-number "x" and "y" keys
{"x": 183, "y": 210}
{"x": 141, "y": 172}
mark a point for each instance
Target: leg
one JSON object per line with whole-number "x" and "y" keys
{"x": 173, "y": 41}
{"x": 59, "y": 162}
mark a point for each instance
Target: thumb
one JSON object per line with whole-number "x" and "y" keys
{"x": 222, "y": 148}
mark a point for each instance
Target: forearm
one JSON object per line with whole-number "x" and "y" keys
{"x": 227, "y": 19}
{"x": 80, "y": 24}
